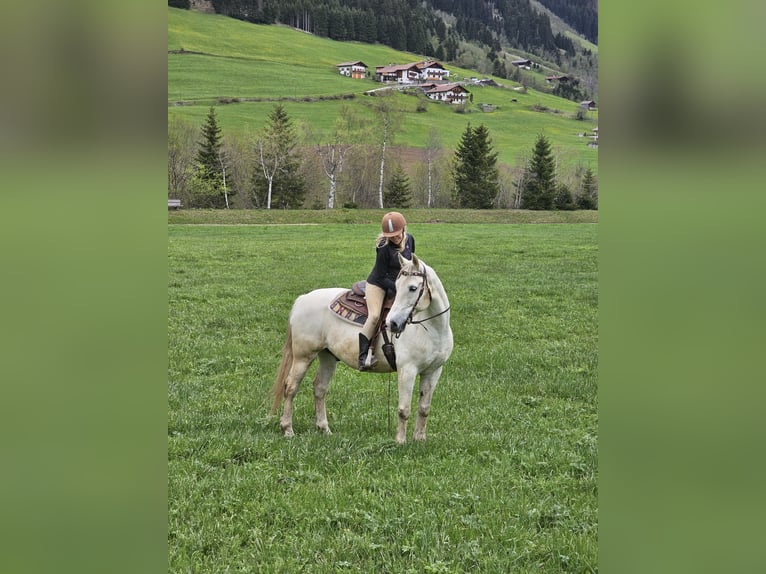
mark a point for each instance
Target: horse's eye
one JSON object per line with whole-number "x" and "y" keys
{"x": 413, "y": 288}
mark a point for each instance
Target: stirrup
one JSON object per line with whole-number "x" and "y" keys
{"x": 368, "y": 367}
{"x": 369, "y": 361}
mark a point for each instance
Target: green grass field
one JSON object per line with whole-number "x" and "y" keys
{"x": 507, "y": 481}
{"x": 235, "y": 59}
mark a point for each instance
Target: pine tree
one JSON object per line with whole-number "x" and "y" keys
{"x": 209, "y": 149}
{"x": 498, "y": 69}
{"x": 475, "y": 172}
{"x": 209, "y": 180}
{"x": 540, "y": 189}
{"x": 398, "y": 193}
{"x": 278, "y": 180}
{"x": 588, "y": 198}
{"x": 563, "y": 198}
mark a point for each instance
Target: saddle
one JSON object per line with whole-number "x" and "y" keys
{"x": 351, "y": 306}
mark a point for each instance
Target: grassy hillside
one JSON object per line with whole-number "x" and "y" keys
{"x": 227, "y": 58}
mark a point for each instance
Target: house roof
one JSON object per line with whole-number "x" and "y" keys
{"x": 356, "y": 63}
{"x": 395, "y": 68}
{"x": 417, "y": 65}
{"x": 521, "y": 62}
{"x": 446, "y": 88}
{"x": 429, "y": 64}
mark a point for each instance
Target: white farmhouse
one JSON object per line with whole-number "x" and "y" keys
{"x": 431, "y": 70}
{"x": 402, "y": 74}
{"x": 450, "y": 93}
{"x": 357, "y": 70}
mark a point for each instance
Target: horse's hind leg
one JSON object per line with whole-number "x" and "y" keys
{"x": 325, "y": 371}
{"x": 427, "y": 385}
{"x": 294, "y": 378}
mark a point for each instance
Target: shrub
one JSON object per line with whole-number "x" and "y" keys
{"x": 563, "y": 198}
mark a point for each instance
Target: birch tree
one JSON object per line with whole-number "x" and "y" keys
{"x": 332, "y": 164}
{"x": 181, "y": 148}
{"x": 433, "y": 150}
{"x": 388, "y": 124}
{"x": 270, "y": 161}
{"x": 333, "y": 153}
{"x": 222, "y": 163}
{"x": 519, "y": 177}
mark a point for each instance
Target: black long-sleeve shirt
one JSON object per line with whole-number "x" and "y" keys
{"x": 387, "y": 264}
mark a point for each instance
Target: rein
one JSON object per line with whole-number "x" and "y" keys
{"x": 428, "y": 318}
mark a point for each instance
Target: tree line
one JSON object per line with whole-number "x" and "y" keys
{"x": 284, "y": 166}
{"x": 582, "y": 15}
{"x": 409, "y": 25}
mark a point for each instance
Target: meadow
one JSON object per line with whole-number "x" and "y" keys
{"x": 227, "y": 59}
{"x": 507, "y": 481}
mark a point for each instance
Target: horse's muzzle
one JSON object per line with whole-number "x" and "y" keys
{"x": 396, "y": 326}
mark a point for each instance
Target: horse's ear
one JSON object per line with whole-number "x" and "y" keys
{"x": 415, "y": 261}
{"x": 403, "y": 261}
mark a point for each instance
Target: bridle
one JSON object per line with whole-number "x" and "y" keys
{"x": 423, "y": 287}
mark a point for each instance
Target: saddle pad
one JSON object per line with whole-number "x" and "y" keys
{"x": 350, "y": 307}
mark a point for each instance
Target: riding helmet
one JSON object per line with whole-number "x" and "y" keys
{"x": 393, "y": 223}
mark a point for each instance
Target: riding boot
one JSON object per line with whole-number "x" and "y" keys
{"x": 364, "y": 347}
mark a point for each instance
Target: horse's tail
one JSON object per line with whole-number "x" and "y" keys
{"x": 278, "y": 390}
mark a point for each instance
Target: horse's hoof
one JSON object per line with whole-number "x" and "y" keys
{"x": 288, "y": 432}
{"x": 324, "y": 430}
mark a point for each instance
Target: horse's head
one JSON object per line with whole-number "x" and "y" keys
{"x": 411, "y": 293}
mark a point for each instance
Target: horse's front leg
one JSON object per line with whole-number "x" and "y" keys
{"x": 325, "y": 371}
{"x": 428, "y": 383}
{"x": 406, "y": 382}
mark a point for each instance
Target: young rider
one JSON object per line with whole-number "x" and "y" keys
{"x": 381, "y": 283}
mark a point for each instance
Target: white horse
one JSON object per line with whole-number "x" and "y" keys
{"x": 422, "y": 349}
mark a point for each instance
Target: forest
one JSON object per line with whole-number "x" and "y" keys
{"x": 406, "y": 24}
{"x": 582, "y": 15}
